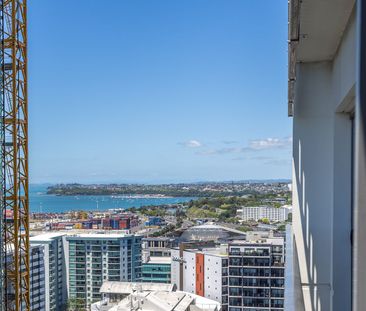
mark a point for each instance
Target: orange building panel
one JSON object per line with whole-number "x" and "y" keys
{"x": 200, "y": 274}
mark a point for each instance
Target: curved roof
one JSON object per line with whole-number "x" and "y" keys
{"x": 209, "y": 232}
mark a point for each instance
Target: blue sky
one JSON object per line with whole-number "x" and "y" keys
{"x": 158, "y": 91}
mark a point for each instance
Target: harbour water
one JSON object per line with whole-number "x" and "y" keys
{"x": 41, "y": 202}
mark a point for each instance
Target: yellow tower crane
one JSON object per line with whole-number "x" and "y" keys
{"x": 15, "y": 250}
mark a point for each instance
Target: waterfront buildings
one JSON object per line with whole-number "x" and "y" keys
{"x": 54, "y": 265}
{"x": 329, "y": 179}
{"x": 273, "y": 214}
{"x": 110, "y": 221}
{"x": 242, "y": 275}
{"x": 119, "y": 296}
{"x": 95, "y": 258}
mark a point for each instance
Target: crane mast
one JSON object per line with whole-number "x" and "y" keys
{"x": 15, "y": 249}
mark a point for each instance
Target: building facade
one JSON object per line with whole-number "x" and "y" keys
{"x": 199, "y": 271}
{"x": 256, "y": 213}
{"x": 37, "y": 279}
{"x": 256, "y": 276}
{"x": 156, "y": 259}
{"x": 55, "y": 269}
{"x": 156, "y": 270}
{"x": 241, "y": 275}
{"x": 323, "y": 101}
{"x": 156, "y": 247}
{"x": 95, "y": 258}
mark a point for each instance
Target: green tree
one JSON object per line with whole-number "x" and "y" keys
{"x": 244, "y": 228}
{"x": 75, "y": 304}
{"x": 281, "y": 227}
{"x": 289, "y": 217}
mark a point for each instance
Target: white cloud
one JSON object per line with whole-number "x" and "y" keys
{"x": 279, "y": 162}
{"x": 229, "y": 142}
{"x": 253, "y": 146}
{"x": 219, "y": 151}
{"x": 191, "y": 143}
{"x": 270, "y": 143}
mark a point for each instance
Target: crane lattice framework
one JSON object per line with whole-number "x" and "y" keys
{"x": 15, "y": 250}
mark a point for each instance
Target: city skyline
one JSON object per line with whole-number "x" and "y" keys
{"x": 158, "y": 92}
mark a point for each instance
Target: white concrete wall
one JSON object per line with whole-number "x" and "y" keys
{"x": 175, "y": 274}
{"x": 47, "y": 274}
{"x": 189, "y": 272}
{"x": 65, "y": 244}
{"x": 213, "y": 277}
{"x": 322, "y": 177}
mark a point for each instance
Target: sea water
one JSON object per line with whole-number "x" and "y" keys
{"x": 41, "y": 202}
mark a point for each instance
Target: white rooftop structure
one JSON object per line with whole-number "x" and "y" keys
{"x": 46, "y": 236}
{"x": 110, "y": 287}
{"x": 209, "y": 232}
{"x": 151, "y": 297}
{"x": 159, "y": 260}
{"x": 99, "y": 235}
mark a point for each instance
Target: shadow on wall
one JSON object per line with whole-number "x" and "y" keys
{"x": 309, "y": 287}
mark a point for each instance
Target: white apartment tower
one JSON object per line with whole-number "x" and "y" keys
{"x": 55, "y": 269}
{"x": 95, "y": 258}
{"x": 256, "y": 213}
{"x": 37, "y": 278}
{"x": 327, "y": 100}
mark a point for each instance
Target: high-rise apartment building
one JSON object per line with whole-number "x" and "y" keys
{"x": 327, "y": 100}
{"x": 95, "y": 258}
{"x": 256, "y": 275}
{"x": 55, "y": 269}
{"x": 242, "y": 275}
{"x": 37, "y": 278}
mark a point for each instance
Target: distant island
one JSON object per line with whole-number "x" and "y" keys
{"x": 209, "y": 189}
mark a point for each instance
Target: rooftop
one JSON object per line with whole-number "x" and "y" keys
{"x": 46, "y": 237}
{"x": 99, "y": 235}
{"x": 79, "y": 234}
{"x": 159, "y": 260}
{"x": 209, "y": 232}
{"x": 259, "y": 240}
{"x": 158, "y": 239}
{"x": 144, "y": 297}
{"x": 110, "y": 287}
